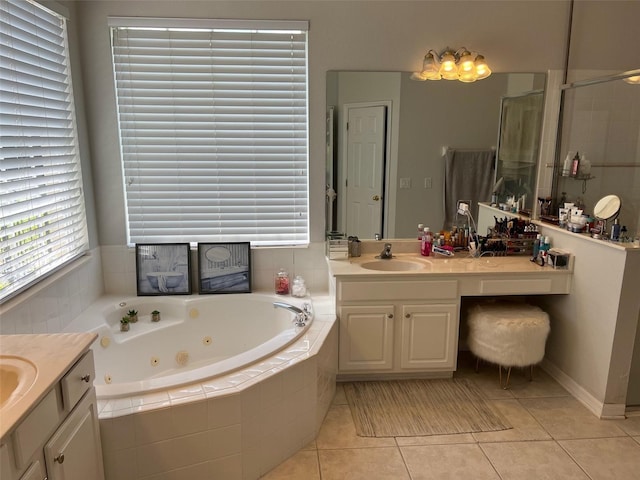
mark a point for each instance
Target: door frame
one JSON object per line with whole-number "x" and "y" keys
{"x": 388, "y": 203}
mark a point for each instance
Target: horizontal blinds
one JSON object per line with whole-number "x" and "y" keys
{"x": 42, "y": 216}
{"x": 213, "y": 131}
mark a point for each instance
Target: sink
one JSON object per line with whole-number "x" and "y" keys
{"x": 392, "y": 265}
{"x": 17, "y": 376}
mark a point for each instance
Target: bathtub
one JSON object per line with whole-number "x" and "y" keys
{"x": 198, "y": 337}
{"x": 227, "y": 378}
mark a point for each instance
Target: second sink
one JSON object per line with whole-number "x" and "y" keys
{"x": 392, "y": 265}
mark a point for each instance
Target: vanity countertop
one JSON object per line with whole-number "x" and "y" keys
{"x": 437, "y": 266}
{"x": 43, "y": 357}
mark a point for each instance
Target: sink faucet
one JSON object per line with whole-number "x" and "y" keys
{"x": 386, "y": 254}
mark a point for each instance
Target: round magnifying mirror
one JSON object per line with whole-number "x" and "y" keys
{"x": 607, "y": 207}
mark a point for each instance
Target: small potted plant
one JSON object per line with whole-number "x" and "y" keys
{"x": 133, "y": 316}
{"x": 124, "y": 324}
{"x": 155, "y": 316}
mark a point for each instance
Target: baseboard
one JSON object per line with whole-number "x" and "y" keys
{"x": 598, "y": 408}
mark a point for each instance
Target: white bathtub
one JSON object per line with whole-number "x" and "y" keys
{"x": 198, "y": 337}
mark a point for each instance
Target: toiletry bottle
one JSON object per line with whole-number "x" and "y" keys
{"x": 566, "y": 166}
{"x": 575, "y": 165}
{"x": 420, "y": 231}
{"x": 615, "y": 230}
{"x": 536, "y": 247}
{"x": 282, "y": 282}
{"x": 585, "y": 167}
{"x": 427, "y": 242}
{"x": 545, "y": 247}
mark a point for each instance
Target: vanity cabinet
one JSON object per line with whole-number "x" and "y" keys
{"x": 59, "y": 439}
{"x": 395, "y": 327}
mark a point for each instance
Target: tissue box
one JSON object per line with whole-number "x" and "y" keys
{"x": 337, "y": 248}
{"x": 558, "y": 259}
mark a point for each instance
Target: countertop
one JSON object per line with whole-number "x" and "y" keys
{"x": 437, "y": 266}
{"x": 52, "y": 355}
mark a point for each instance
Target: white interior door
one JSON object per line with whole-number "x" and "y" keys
{"x": 365, "y": 170}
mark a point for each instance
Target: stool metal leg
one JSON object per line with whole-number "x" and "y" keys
{"x": 506, "y": 385}
{"x": 531, "y": 373}
{"x": 477, "y": 364}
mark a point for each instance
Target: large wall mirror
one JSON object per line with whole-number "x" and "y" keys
{"x": 391, "y": 161}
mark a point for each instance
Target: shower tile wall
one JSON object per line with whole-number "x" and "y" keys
{"x": 119, "y": 265}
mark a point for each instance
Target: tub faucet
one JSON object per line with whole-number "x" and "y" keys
{"x": 386, "y": 254}
{"x": 301, "y": 315}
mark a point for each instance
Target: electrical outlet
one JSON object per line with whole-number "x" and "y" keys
{"x": 428, "y": 182}
{"x": 405, "y": 183}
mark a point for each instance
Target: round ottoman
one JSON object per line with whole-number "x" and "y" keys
{"x": 508, "y": 334}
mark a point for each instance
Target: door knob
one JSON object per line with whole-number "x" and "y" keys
{"x": 375, "y": 198}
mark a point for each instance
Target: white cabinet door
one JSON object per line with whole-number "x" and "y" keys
{"x": 74, "y": 452}
{"x": 429, "y": 337}
{"x": 366, "y": 338}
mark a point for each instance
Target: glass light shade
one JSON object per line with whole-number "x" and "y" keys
{"x": 482, "y": 69}
{"x": 448, "y": 67}
{"x": 466, "y": 62}
{"x": 468, "y": 77}
{"x": 635, "y": 80}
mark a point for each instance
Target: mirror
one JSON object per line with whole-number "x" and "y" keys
{"x": 600, "y": 120}
{"x": 607, "y": 207}
{"x": 404, "y": 129}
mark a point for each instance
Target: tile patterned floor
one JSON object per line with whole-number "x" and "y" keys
{"x": 553, "y": 437}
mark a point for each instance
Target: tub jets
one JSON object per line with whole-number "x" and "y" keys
{"x": 302, "y": 314}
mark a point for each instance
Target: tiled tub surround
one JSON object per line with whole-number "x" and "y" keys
{"x": 237, "y": 426}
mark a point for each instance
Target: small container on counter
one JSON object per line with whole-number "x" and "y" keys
{"x": 298, "y": 288}
{"x": 282, "y": 282}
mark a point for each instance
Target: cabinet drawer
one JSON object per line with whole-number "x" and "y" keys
{"x": 77, "y": 381}
{"x": 398, "y": 290}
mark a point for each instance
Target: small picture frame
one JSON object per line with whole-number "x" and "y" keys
{"x": 224, "y": 267}
{"x": 163, "y": 269}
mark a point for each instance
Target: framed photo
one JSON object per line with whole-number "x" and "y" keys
{"x": 163, "y": 268}
{"x": 224, "y": 267}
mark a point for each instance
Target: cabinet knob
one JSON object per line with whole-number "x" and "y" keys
{"x": 86, "y": 378}
{"x": 59, "y": 458}
{"x": 389, "y": 315}
{"x": 407, "y": 315}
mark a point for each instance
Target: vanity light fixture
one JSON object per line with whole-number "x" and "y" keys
{"x": 460, "y": 65}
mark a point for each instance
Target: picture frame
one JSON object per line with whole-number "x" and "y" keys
{"x": 224, "y": 267}
{"x": 163, "y": 269}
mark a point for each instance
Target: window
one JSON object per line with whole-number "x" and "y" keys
{"x": 213, "y": 129}
{"x": 42, "y": 217}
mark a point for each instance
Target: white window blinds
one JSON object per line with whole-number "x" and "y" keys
{"x": 213, "y": 130}
{"x": 42, "y": 217}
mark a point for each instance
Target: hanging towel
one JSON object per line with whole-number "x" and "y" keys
{"x": 468, "y": 175}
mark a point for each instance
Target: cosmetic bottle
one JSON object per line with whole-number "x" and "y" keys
{"x": 536, "y": 247}
{"x": 575, "y": 165}
{"x": 615, "y": 230}
{"x": 420, "y": 231}
{"x": 427, "y": 242}
{"x": 566, "y": 166}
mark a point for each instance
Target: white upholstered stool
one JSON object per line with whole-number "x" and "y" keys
{"x": 508, "y": 334}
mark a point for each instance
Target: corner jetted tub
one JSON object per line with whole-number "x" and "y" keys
{"x": 233, "y": 380}
{"x": 198, "y": 337}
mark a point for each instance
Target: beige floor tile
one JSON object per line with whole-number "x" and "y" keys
{"x": 486, "y": 380}
{"x": 436, "y": 439}
{"x": 303, "y": 465}
{"x": 310, "y": 446}
{"x": 542, "y": 385}
{"x": 525, "y": 427}
{"x": 340, "y": 398}
{"x": 444, "y": 462}
{"x": 631, "y": 425}
{"x": 606, "y": 458}
{"x": 532, "y": 461}
{"x": 362, "y": 464}
{"x": 566, "y": 418}
{"x": 338, "y": 431}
